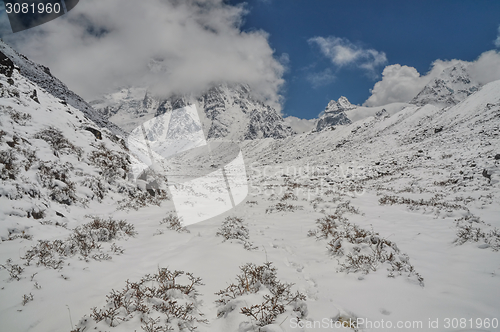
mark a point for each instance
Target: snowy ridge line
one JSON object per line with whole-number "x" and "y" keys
{"x": 41, "y": 75}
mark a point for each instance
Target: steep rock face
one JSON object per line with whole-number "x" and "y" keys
{"x": 226, "y": 111}
{"x": 452, "y": 86}
{"x": 42, "y": 76}
{"x": 334, "y": 114}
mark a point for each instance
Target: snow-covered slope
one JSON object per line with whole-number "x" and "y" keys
{"x": 363, "y": 112}
{"x": 452, "y": 86}
{"x": 41, "y": 75}
{"x": 53, "y": 158}
{"x": 227, "y": 111}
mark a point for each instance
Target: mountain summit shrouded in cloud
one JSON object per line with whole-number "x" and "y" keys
{"x": 402, "y": 83}
{"x": 171, "y": 46}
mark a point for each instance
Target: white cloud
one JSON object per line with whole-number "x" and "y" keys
{"x": 402, "y": 83}
{"x": 189, "y": 45}
{"x": 342, "y": 53}
{"x": 497, "y": 41}
{"x": 398, "y": 84}
{"x": 322, "y": 78}
{"x": 300, "y": 126}
{"x": 486, "y": 68}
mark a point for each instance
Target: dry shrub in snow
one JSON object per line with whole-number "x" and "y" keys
{"x": 233, "y": 228}
{"x": 13, "y": 269}
{"x": 164, "y": 301}
{"x": 174, "y": 223}
{"x": 8, "y": 168}
{"x": 85, "y": 240}
{"x": 58, "y": 142}
{"x": 27, "y": 298}
{"x": 416, "y": 204}
{"x": 275, "y": 297}
{"x": 283, "y": 207}
{"x": 56, "y": 177}
{"x": 113, "y": 164}
{"x": 18, "y": 117}
{"x": 139, "y": 199}
{"x": 470, "y": 229}
{"x": 363, "y": 250}
{"x": 289, "y": 196}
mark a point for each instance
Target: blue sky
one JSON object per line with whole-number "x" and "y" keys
{"x": 412, "y": 33}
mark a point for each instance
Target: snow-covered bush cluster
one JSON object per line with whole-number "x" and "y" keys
{"x": 261, "y": 296}
{"x": 58, "y": 142}
{"x": 14, "y": 270}
{"x": 413, "y": 204}
{"x": 139, "y": 199}
{"x": 174, "y": 223}
{"x": 283, "y": 207}
{"x": 233, "y": 228}
{"x": 472, "y": 229}
{"x": 112, "y": 164}
{"x": 362, "y": 250}
{"x": 85, "y": 240}
{"x": 164, "y": 301}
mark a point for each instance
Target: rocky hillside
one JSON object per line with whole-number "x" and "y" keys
{"x": 54, "y": 159}
{"x": 42, "y": 76}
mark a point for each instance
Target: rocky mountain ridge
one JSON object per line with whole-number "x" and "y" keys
{"x": 226, "y": 111}
{"x": 452, "y": 86}
{"x": 334, "y": 114}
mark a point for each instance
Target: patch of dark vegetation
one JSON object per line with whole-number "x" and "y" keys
{"x": 277, "y": 297}
{"x": 85, "y": 241}
{"x": 363, "y": 250}
{"x": 164, "y": 301}
{"x": 233, "y": 228}
{"x": 58, "y": 142}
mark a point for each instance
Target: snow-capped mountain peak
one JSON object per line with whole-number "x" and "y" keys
{"x": 342, "y": 104}
{"x": 452, "y": 86}
{"x": 334, "y": 114}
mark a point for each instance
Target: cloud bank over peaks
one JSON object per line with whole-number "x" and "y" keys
{"x": 172, "y": 46}
{"x": 342, "y": 52}
{"x": 401, "y": 83}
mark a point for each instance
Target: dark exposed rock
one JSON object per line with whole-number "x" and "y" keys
{"x": 6, "y": 66}
{"x": 34, "y": 96}
{"x": 94, "y": 131}
{"x": 487, "y": 174}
